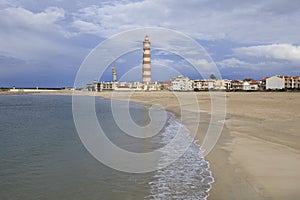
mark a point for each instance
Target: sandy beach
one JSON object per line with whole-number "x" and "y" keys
{"x": 258, "y": 153}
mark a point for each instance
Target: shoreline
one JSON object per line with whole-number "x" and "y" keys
{"x": 258, "y": 153}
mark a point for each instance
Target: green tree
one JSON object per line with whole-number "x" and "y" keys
{"x": 213, "y": 77}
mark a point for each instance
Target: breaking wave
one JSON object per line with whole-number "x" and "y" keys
{"x": 187, "y": 178}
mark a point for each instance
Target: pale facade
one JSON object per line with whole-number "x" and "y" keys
{"x": 204, "y": 84}
{"x": 251, "y": 85}
{"x": 181, "y": 83}
{"x": 291, "y": 82}
{"x": 275, "y": 83}
{"x": 222, "y": 84}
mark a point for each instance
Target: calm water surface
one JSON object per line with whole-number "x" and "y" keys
{"x": 41, "y": 156}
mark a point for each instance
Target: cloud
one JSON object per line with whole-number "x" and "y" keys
{"x": 28, "y": 35}
{"x": 194, "y": 68}
{"x": 287, "y": 52}
{"x": 27, "y": 19}
{"x": 5, "y": 3}
{"x": 162, "y": 62}
{"x": 269, "y": 21}
{"x": 161, "y": 53}
{"x": 86, "y": 27}
{"x": 232, "y": 63}
{"x": 257, "y": 35}
{"x": 280, "y": 7}
{"x": 244, "y": 67}
{"x": 241, "y": 21}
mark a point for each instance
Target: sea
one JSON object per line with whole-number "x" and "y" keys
{"x": 42, "y": 156}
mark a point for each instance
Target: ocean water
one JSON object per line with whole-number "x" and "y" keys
{"x": 42, "y": 157}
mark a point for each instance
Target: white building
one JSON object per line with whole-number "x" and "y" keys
{"x": 107, "y": 86}
{"x": 275, "y": 83}
{"x": 181, "y": 83}
{"x": 204, "y": 84}
{"x": 251, "y": 85}
{"x": 222, "y": 84}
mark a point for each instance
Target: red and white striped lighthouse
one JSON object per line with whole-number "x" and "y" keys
{"x": 146, "y": 62}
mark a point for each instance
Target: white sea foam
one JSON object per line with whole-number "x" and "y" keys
{"x": 187, "y": 178}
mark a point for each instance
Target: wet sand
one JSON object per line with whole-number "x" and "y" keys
{"x": 258, "y": 153}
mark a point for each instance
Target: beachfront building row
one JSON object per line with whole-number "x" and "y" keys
{"x": 181, "y": 83}
{"x": 122, "y": 86}
{"x": 281, "y": 83}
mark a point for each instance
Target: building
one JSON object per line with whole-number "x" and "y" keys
{"x": 136, "y": 86}
{"x": 107, "y": 86}
{"x": 291, "y": 82}
{"x": 114, "y": 74}
{"x": 146, "y": 73}
{"x": 250, "y": 85}
{"x": 166, "y": 85}
{"x": 94, "y": 87}
{"x": 237, "y": 85}
{"x": 275, "y": 83}
{"x": 204, "y": 84}
{"x": 181, "y": 83}
{"x": 99, "y": 87}
{"x": 222, "y": 84}
{"x": 295, "y": 82}
{"x": 263, "y": 83}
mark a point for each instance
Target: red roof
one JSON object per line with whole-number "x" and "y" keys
{"x": 254, "y": 83}
{"x": 123, "y": 86}
{"x": 264, "y": 79}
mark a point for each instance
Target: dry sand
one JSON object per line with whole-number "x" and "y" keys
{"x": 258, "y": 153}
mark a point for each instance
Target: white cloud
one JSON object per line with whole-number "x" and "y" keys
{"x": 26, "y": 18}
{"x": 232, "y": 63}
{"x": 27, "y": 35}
{"x": 86, "y": 27}
{"x": 161, "y": 53}
{"x": 179, "y": 63}
{"x": 254, "y": 21}
{"x": 194, "y": 67}
{"x": 4, "y": 2}
{"x": 43, "y": 30}
{"x": 162, "y": 62}
{"x": 286, "y": 52}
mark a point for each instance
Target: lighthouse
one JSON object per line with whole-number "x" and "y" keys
{"x": 146, "y": 79}
{"x": 114, "y": 75}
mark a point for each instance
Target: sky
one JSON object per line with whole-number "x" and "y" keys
{"x": 44, "y": 43}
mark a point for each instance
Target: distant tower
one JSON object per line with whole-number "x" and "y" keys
{"x": 146, "y": 62}
{"x": 114, "y": 74}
